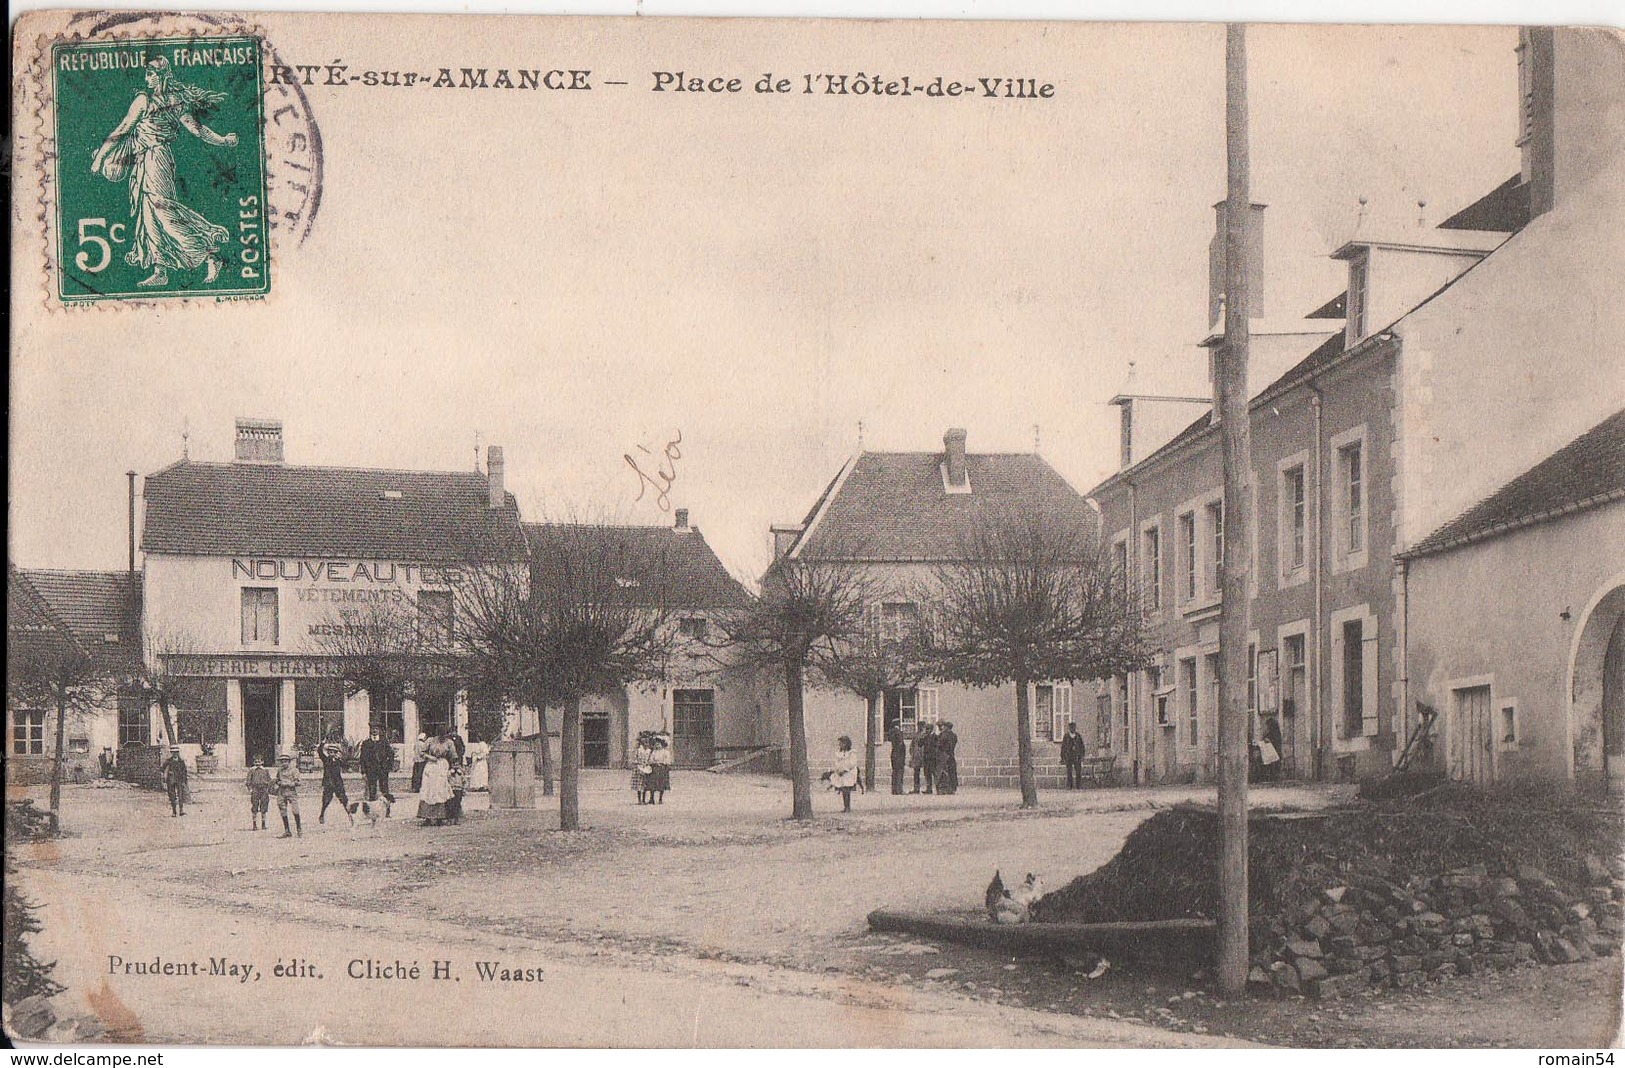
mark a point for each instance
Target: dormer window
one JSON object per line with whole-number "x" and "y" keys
{"x": 1358, "y": 295}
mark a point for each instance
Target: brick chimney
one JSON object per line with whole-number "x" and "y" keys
{"x": 682, "y": 519}
{"x": 498, "y": 493}
{"x": 953, "y": 463}
{"x": 259, "y": 441}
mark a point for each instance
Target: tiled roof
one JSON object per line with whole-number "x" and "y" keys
{"x": 1588, "y": 471}
{"x": 893, "y": 505}
{"x": 91, "y": 606}
{"x": 276, "y": 510}
{"x": 682, "y": 558}
{"x": 1504, "y": 209}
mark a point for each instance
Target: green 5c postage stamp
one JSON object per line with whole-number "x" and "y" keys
{"x": 160, "y": 169}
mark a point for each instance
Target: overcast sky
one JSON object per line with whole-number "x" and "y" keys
{"x": 760, "y": 277}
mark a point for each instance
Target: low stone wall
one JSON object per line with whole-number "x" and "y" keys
{"x": 980, "y": 771}
{"x": 1375, "y": 932}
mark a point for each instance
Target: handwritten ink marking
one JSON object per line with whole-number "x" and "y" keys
{"x": 661, "y": 481}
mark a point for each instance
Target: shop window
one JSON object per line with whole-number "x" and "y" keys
{"x": 318, "y": 710}
{"x": 386, "y": 714}
{"x": 200, "y": 711}
{"x": 259, "y": 616}
{"x": 27, "y": 733}
{"x": 436, "y": 708}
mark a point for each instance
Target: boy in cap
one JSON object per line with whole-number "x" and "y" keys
{"x": 332, "y": 756}
{"x": 259, "y": 792}
{"x": 175, "y": 781}
{"x": 287, "y": 794}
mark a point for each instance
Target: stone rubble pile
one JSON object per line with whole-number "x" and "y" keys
{"x": 1382, "y": 928}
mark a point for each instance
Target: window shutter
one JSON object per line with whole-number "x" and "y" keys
{"x": 1368, "y": 669}
{"x": 248, "y": 615}
{"x": 1063, "y": 712}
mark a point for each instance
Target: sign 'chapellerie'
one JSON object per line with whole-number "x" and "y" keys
{"x": 263, "y": 569}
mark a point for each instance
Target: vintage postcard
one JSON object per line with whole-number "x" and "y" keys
{"x": 646, "y": 532}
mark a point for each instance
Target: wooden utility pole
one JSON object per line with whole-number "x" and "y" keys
{"x": 1235, "y": 438}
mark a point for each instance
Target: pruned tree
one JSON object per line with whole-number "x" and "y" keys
{"x": 161, "y": 676}
{"x": 596, "y": 621}
{"x": 1031, "y": 597}
{"x": 50, "y": 670}
{"x": 378, "y": 646}
{"x": 503, "y": 645}
{"x": 890, "y": 654}
{"x": 810, "y": 615}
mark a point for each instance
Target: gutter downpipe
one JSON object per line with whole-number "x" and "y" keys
{"x": 1131, "y": 691}
{"x": 1404, "y": 658}
{"x": 1322, "y": 741}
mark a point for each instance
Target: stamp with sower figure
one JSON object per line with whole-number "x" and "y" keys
{"x": 160, "y": 169}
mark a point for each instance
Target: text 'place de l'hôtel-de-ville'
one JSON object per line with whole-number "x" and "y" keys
{"x": 1438, "y": 493}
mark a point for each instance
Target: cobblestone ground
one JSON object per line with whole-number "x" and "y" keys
{"x": 718, "y": 878}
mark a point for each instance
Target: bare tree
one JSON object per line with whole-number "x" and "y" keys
{"x": 810, "y": 614}
{"x": 46, "y": 669}
{"x": 378, "y": 647}
{"x": 596, "y": 621}
{"x": 1032, "y": 597}
{"x": 161, "y": 677}
{"x": 503, "y": 644}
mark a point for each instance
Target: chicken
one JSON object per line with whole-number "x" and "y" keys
{"x": 1005, "y": 906}
{"x": 995, "y": 894}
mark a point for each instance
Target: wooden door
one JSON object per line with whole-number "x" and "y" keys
{"x": 1471, "y": 741}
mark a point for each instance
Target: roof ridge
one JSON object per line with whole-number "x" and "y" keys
{"x": 239, "y": 465}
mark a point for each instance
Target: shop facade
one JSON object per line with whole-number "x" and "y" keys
{"x": 255, "y": 572}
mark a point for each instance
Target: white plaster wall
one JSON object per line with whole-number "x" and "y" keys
{"x": 197, "y": 600}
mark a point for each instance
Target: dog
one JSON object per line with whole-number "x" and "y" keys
{"x": 371, "y": 811}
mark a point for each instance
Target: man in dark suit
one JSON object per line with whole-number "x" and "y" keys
{"x": 947, "y": 762}
{"x": 928, "y": 755}
{"x": 377, "y": 758}
{"x": 175, "y": 781}
{"x": 1072, "y": 756}
{"x": 899, "y": 756}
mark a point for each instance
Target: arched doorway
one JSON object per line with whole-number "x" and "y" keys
{"x": 1597, "y": 691}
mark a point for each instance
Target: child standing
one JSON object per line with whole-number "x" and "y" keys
{"x": 259, "y": 793}
{"x": 845, "y": 776}
{"x": 287, "y": 794}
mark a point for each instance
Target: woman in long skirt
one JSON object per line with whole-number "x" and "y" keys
{"x": 434, "y": 800}
{"x": 659, "y": 778}
{"x": 643, "y": 767}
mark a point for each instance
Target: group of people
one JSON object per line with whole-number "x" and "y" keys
{"x": 651, "y": 767}
{"x": 930, "y": 752}
{"x": 440, "y": 777}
